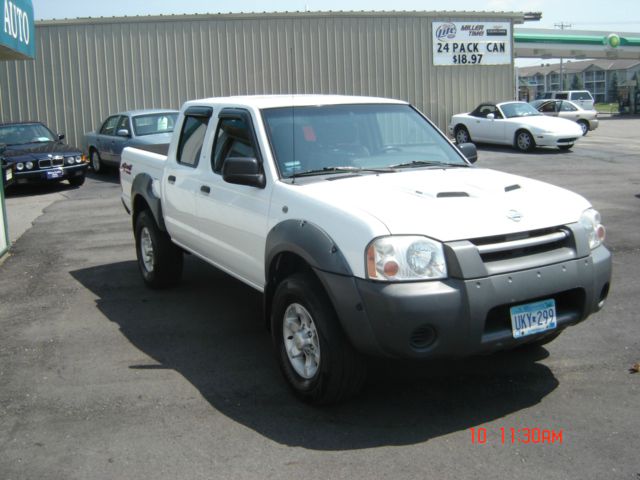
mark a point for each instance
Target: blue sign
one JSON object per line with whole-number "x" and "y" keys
{"x": 17, "y": 33}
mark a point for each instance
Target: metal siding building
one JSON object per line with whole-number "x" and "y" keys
{"x": 89, "y": 68}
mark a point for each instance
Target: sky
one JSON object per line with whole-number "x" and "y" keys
{"x": 617, "y": 16}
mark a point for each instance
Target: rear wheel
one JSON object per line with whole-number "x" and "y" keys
{"x": 462, "y": 135}
{"x": 159, "y": 259}
{"x": 525, "y": 141}
{"x": 584, "y": 125}
{"x": 315, "y": 356}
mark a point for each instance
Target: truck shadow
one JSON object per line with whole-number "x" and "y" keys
{"x": 209, "y": 329}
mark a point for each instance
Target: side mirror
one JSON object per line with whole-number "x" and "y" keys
{"x": 61, "y": 136}
{"x": 123, "y": 132}
{"x": 490, "y": 116}
{"x": 243, "y": 171}
{"x": 469, "y": 151}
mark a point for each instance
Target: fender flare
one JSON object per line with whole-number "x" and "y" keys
{"x": 309, "y": 242}
{"x": 143, "y": 186}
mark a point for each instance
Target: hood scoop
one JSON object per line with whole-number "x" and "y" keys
{"x": 452, "y": 194}
{"x": 511, "y": 188}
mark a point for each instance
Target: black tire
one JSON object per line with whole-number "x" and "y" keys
{"x": 96, "y": 162}
{"x": 524, "y": 141}
{"x": 76, "y": 181}
{"x": 584, "y": 125}
{"x": 565, "y": 147}
{"x": 340, "y": 372}
{"x": 462, "y": 135}
{"x": 163, "y": 267}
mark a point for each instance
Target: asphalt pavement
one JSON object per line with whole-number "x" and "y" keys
{"x": 101, "y": 378}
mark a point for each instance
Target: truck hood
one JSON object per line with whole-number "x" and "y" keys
{"x": 452, "y": 204}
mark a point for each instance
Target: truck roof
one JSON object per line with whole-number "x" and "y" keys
{"x": 274, "y": 101}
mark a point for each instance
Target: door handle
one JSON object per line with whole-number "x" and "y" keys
{"x": 205, "y": 189}
{"x": 171, "y": 179}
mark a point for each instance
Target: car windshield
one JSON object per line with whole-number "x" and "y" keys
{"x": 154, "y": 123}
{"x": 518, "y": 109}
{"x": 23, "y": 133}
{"x": 333, "y": 139}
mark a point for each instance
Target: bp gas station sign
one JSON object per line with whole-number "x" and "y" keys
{"x": 17, "y": 42}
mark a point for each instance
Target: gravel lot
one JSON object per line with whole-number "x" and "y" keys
{"x": 101, "y": 378}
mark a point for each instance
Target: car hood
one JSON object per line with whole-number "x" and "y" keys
{"x": 36, "y": 151}
{"x": 452, "y": 204}
{"x": 551, "y": 124}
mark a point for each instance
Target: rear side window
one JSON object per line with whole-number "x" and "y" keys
{"x": 581, "y": 96}
{"x": 191, "y": 138}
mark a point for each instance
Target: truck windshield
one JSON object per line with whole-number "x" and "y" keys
{"x": 367, "y": 137}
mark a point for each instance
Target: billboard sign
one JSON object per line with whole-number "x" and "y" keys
{"x": 471, "y": 43}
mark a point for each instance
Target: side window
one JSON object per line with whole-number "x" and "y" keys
{"x": 562, "y": 96}
{"x": 567, "y": 107}
{"x": 191, "y": 138}
{"x": 109, "y": 126}
{"x": 234, "y": 138}
{"x": 123, "y": 124}
{"x": 549, "y": 107}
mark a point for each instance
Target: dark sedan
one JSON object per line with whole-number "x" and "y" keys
{"x": 36, "y": 154}
{"x": 139, "y": 128}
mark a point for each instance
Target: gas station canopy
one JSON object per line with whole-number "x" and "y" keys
{"x": 578, "y": 44}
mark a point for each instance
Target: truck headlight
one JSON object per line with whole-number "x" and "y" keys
{"x": 29, "y": 165}
{"x": 70, "y": 160}
{"x": 78, "y": 159}
{"x": 590, "y": 221}
{"x": 405, "y": 258}
{"x": 20, "y": 166}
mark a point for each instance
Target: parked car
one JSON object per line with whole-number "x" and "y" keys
{"x": 36, "y": 154}
{"x": 513, "y": 123}
{"x": 364, "y": 238}
{"x": 581, "y": 97}
{"x": 138, "y": 128}
{"x": 587, "y": 119}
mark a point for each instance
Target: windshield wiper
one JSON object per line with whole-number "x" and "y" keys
{"x": 426, "y": 163}
{"x": 342, "y": 169}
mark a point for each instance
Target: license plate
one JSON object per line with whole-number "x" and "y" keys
{"x": 57, "y": 173}
{"x": 532, "y": 318}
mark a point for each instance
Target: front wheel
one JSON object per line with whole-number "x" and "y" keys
{"x": 76, "y": 181}
{"x": 159, "y": 259}
{"x": 315, "y": 357}
{"x": 96, "y": 162}
{"x": 525, "y": 141}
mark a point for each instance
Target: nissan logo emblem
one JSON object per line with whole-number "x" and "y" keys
{"x": 514, "y": 215}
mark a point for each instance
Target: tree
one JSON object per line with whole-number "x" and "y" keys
{"x": 576, "y": 83}
{"x": 613, "y": 88}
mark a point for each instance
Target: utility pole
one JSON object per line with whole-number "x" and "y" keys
{"x": 562, "y": 26}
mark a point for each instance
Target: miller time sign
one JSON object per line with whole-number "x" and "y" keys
{"x": 471, "y": 43}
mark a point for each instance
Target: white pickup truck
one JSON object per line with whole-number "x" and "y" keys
{"x": 367, "y": 230}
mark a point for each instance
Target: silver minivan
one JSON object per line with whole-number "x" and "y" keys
{"x": 581, "y": 97}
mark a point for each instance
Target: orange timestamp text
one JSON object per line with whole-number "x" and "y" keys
{"x": 514, "y": 436}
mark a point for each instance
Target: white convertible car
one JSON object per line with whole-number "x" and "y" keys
{"x": 513, "y": 123}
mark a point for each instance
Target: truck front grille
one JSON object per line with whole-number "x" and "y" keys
{"x": 504, "y": 247}
{"x": 51, "y": 162}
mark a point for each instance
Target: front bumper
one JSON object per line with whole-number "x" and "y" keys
{"x": 555, "y": 140}
{"x": 39, "y": 176}
{"x": 461, "y": 317}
